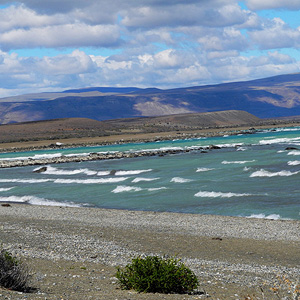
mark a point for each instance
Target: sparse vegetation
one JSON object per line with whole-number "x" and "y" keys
{"x": 14, "y": 274}
{"x": 154, "y": 274}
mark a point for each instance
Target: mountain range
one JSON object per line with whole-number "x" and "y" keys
{"x": 272, "y": 97}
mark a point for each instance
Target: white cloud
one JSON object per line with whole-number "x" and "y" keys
{"x": 184, "y": 14}
{"x": 276, "y": 34}
{"x": 273, "y": 4}
{"x": 163, "y": 43}
{"x": 68, "y": 35}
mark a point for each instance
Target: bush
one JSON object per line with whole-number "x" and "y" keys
{"x": 14, "y": 274}
{"x": 157, "y": 275}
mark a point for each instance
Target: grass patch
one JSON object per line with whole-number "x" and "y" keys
{"x": 14, "y": 274}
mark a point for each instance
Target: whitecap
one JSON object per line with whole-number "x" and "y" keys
{"x": 294, "y": 152}
{"x": 132, "y": 172}
{"x": 204, "y": 169}
{"x": 264, "y": 173}
{"x": 6, "y": 189}
{"x": 90, "y": 181}
{"x": 294, "y": 163}
{"x": 205, "y": 194}
{"x": 279, "y": 141}
{"x": 25, "y": 180}
{"x": 225, "y": 162}
{"x": 35, "y": 201}
{"x": 138, "y": 179}
{"x": 103, "y": 173}
{"x": 263, "y": 216}
{"x": 180, "y": 180}
{"x": 56, "y": 171}
{"x": 124, "y": 188}
{"x": 157, "y": 189}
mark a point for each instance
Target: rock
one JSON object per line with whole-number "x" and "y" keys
{"x": 291, "y": 148}
{"x": 40, "y": 170}
{"x": 211, "y": 147}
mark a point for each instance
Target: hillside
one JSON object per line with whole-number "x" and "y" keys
{"x": 265, "y": 98}
{"x": 82, "y": 127}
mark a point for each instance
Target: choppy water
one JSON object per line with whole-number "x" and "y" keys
{"x": 257, "y": 179}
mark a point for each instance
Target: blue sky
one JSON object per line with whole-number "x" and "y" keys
{"x": 52, "y": 45}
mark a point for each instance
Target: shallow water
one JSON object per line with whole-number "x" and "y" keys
{"x": 257, "y": 178}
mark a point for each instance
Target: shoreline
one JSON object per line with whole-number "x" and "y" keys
{"x": 23, "y": 146}
{"x": 77, "y": 250}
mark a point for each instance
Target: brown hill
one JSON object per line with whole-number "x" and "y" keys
{"x": 82, "y": 127}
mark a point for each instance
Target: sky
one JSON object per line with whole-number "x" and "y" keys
{"x": 54, "y": 45}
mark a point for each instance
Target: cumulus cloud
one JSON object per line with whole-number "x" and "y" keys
{"x": 273, "y": 4}
{"x": 67, "y": 35}
{"x": 276, "y": 34}
{"x": 163, "y": 43}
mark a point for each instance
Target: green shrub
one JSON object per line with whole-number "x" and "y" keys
{"x": 14, "y": 274}
{"x": 157, "y": 275}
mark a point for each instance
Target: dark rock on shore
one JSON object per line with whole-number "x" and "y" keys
{"x": 40, "y": 170}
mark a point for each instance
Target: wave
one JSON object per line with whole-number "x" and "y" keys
{"x": 294, "y": 163}
{"x": 103, "y": 173}
{"x": 204, "y": 169}
{"x": 124, "y": 188}
{"x": 264, "y": 173}
{"x": 6, "y": 189}
{"x": 225, "y": 162}
{"x": 294, "y": 152}
{"x": 157, "y": 189}
{"x": 138, "y": 179}
{"x": 36, "y": 156}
{"x": 132, "y": 172}
{"x": 219, "y": 195}
{"x": 90, "y": 181}
{"x": 180, "y": 180}
{"x": 36, "y": 201}
{"x": 280, "y": 141}
{"x": 25, "y": 180}
{"x": 55, "y": 171}
{"x": 263, "y": 216}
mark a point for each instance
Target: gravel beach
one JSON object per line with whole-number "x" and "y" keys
{"x": 73, "y": 252}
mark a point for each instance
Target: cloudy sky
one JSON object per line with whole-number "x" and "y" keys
{"x": 52, "y": 45}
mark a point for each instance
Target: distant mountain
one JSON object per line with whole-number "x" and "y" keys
{"x": 272, "y": 97}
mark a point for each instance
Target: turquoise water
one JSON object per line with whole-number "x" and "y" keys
{"x": 251, "y": 176}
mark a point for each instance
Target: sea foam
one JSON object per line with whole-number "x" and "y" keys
{"x": 294, "y": 152}
{"x": 56, "y": 171}
{"x": 138, "y": 179}
{"x": 294, "y": 163}
{"x": 6, "y": 189}
{"x": 35, "y": 201}
{"x": 263, "y": 216}
{"x": 180, "y": 180}
{"x": 204, "y": 194}
{"x": 90, "y": 181}
{"x": 132, "y": 172}
{"x": 124, "y": 188}
{"x": 225, "y": 162}
{"x": 204, "y": 169}
{"x": 264, "y": 173}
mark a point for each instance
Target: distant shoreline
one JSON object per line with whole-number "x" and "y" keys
{"x": 64, "y": 143}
